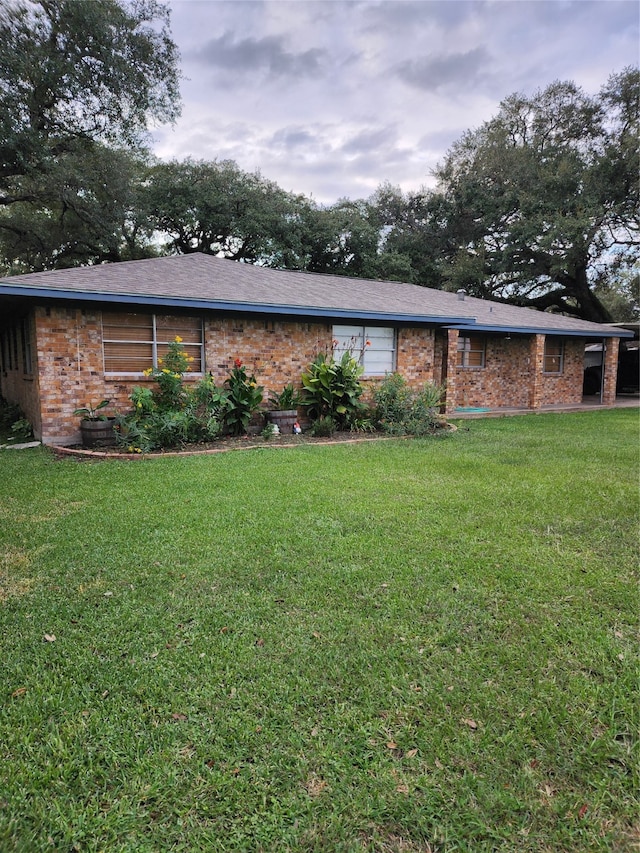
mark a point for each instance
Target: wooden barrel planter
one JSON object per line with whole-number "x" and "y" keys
{"x": 97, "y": 433}
{"x": 284, "y": 420}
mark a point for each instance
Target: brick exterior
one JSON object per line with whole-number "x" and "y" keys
{"x": 68, "y": 368}
{"x": 513, "y": 375}
{"x": 610, "y": 370}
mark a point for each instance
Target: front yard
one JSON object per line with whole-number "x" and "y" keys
{"x": 399, "y": 646}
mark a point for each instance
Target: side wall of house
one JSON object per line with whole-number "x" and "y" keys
{"x": 19, "y": 367}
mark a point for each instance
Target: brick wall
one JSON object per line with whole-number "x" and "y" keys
{"x": 416, "y": 356}
{"x": 565, "y": 387}
{"x": 278, "y": 352}
{"x": 513, "y": 376}
{"x": 70, "y": 365}
{"x": 503, "y": 382}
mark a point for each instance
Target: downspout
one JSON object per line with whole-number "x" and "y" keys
{"x": 604, "y": 354}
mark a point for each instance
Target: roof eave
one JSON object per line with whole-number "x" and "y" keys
{"x": 606, "y": 332}
{"x": 229, "y": 306}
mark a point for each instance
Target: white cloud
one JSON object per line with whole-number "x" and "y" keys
{"x": 330, "y": 99}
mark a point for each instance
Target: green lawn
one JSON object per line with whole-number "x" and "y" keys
{"x": 402, "y": 646}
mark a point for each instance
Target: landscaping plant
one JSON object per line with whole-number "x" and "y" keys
{"x": 245, "y": 396}
{"x": 172, "y": 414}
{"x": 332, "y": 389}
{"x": 401, "y": 410}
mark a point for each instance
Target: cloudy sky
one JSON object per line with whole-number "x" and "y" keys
{"x": 331, "y": 98}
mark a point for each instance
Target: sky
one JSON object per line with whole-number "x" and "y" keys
{"x": 331, "y": 99}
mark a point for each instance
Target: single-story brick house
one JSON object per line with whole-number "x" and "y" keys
{"x": 72, "y": 336}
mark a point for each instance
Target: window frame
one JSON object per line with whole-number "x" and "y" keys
{"x": 549, "y": 357}
{"x": 360, "y": 345}
{"x": 465, "y": 350}
{"x": 155, "y": 343}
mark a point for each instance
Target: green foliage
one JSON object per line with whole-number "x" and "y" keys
{"x": 269, "y": 432}
{"x": 543, "y": 201}
{"x": 9, "y": 413}
{"x": 287, "y": 400}
{"x": 217, "y": 208}
{"x": 80, "y": 82}
{"x": 399, "y": 410}
{"x": 172, "y": 414}
{"x": 22, "y": 429}
{"x": 49, "y": 99}
{"x": 323, "y": 427}
{"x": 333, "y": 389}
{"x": 245, "y": 396}
{"x": 90, "y": 412}
{"x": 170, "y": 394}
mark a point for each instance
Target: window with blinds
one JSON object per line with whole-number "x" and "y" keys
{"x": 133, "y": 343}
{"x": 471, "y": 351}
{"x": 553, "y": 355}
{"x": 374, "y": 347}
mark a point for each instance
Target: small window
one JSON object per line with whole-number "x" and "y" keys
{"x": 373, "y": 346}
{"x": 471, "y": 351}
{"x": 133, "y": 343}
{"x": 27, "y": 352}
{"x": 553, "y": 355}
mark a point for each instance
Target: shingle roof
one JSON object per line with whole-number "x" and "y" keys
{"x": 198, "y": 280}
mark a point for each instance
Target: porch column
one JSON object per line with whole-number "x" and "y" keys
{"x": 612, "y": 346}
{"x": 536, "y": 364}
{"x": 449, "y": 361}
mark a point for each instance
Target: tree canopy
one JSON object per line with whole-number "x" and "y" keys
{"x": 541, "y": 202}
{"x": 539, "y": 206}
{"x": 79, "y": 79}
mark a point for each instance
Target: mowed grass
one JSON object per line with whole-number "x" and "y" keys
{"x": 419, "y": 645}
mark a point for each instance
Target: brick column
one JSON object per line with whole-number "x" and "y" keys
{"x": 536, "y": 365}
{"x": 449, "y": 361}
{"x": 612, "y": 346}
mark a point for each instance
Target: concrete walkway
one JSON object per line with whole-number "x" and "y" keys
{"x": 588, "y": 404}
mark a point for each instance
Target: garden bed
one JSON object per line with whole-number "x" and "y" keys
{"x": 244, "y": 442}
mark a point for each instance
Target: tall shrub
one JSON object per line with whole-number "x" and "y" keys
{"x": 399, "y": 410}
{"x": 333, "y": 389}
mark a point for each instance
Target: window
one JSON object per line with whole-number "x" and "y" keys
{"x": 27, "y": 357}
{"x": 9, "y": 349}
{"x": 373, "y": 346}
{"x": 471, "y": 351}
{"x": 553, "y": 355}
{"x": 134, "y": 342}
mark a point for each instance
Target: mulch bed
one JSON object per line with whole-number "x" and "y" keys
{"x": 245, "y": 442}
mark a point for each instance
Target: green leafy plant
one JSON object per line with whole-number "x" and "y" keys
{"x": 170, "y": 393}
{"x": 400, "y": 410}
{"x": 287, "y": 400}
{"x": 269, "y": 432}
{"x": 172, "y": 414}
{"x": 245, "y": 396}
{"x": 9, "y": 413}
{"x": 333, "y": 389}
{"x": 21, "y": 429}
{"x": 90, "y": 412}
{"x": 323, "y": 427}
